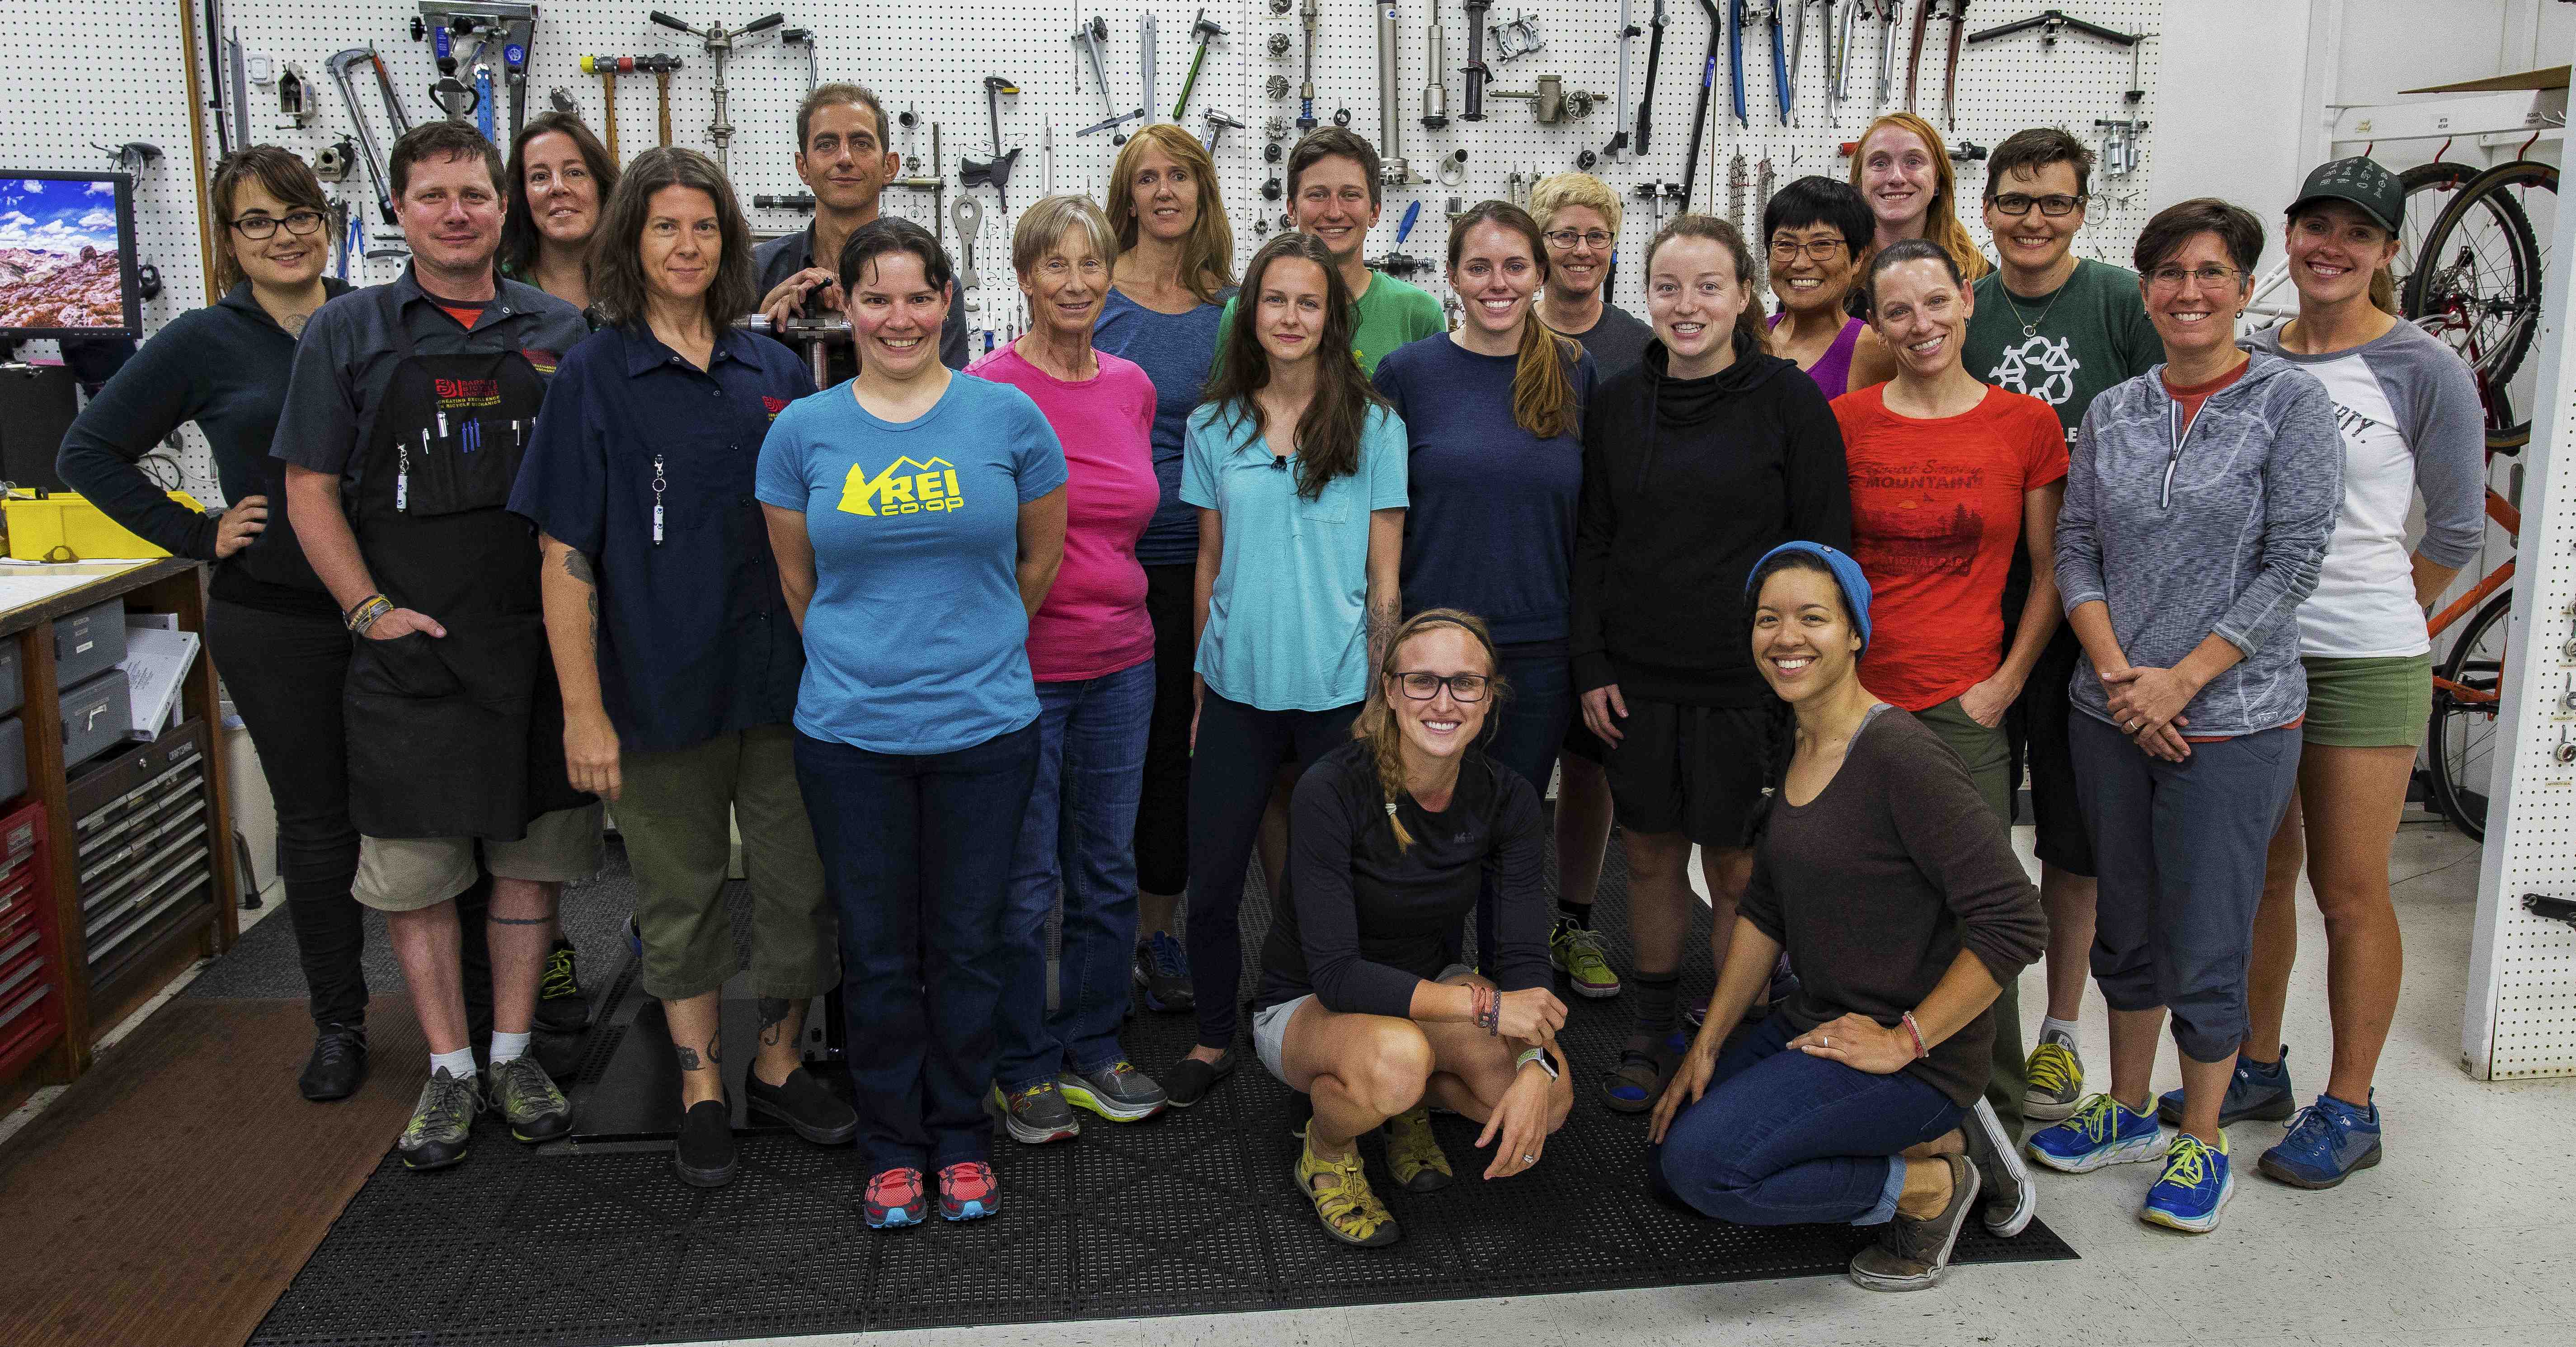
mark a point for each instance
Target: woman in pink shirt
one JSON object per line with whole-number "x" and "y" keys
{"x": 1091, "y": 650}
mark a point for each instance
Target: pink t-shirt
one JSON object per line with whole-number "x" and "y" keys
{"x": 1093, "y": 622}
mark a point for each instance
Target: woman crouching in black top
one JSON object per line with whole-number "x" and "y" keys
{"x": 1390, "y": 838}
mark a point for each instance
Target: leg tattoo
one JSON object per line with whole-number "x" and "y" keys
{"x": 688, "y": 1057}
{"x": 773, "y": 1019}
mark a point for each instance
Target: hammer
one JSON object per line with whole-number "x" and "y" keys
{"x": 1218, "y": 124}
{"x": 1205, "y": 32}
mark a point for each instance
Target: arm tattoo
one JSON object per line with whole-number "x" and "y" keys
{"x": 578, "y": 567}
{"x": 1382, "y": 621}
{"x": 773, "y": 1018}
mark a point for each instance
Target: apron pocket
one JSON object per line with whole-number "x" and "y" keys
{"x": 449, "y": 478}
{"x": 405, "y": 666}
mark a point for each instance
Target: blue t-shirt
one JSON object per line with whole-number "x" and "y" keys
{"x": 1176, "y": 350}
{"x": 1491, "y": 528}
{"x": 695, "y": 638}
{"x": 915, "y": 641}
{"x": 1287, "y": 626}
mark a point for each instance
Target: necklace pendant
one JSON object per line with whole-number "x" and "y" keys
{"x": 2030, "y": 330}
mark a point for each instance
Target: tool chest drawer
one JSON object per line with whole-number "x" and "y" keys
{"x": 31, "y": 951}
{"x": 142, "y": 849}
{"x": 89, "y": 642}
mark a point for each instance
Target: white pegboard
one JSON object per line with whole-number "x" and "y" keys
{"x": 107, "y": 72}
{"x": 2520, "y": 1018}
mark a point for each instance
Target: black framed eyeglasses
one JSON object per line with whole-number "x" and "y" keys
{"x": 2053, "y": 205}
{"x": 265, "y": 226}
{"x": 1422, "y": 687}
{"x": 1786, "y": 250}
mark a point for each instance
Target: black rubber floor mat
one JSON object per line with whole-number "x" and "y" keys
{"x": 1192, "y": 1212}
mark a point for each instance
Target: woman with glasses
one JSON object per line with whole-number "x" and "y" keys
{"x": 1393, "y": 837}
{"x": 1578, "y": 215}
{"x": 1493, "y": 413}
{"x": 1297, "y": 468}
{"x": 1818, "y": 230}
{"x": 2062, "y": 329}
{"x": 1903, "y": 172}
{"x": 2412, "y": 427}
{"x": 271, "y": 627}
{"x": 2196, "y": 518}
{"x": 560, "y": 180}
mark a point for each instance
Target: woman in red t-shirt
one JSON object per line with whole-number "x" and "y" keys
{"x": 1947, "y": 475}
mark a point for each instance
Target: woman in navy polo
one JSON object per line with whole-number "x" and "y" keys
{"x": 672, "y": 638}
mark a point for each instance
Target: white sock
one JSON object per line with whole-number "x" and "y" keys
{"x": 506, "y": 1047}
{"x": 459, "y": 1063}
{"x": 2061, "y": 1028}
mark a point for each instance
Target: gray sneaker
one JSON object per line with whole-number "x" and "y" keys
{"x": 2052, "y": 1079}
{"x": 528, "y": 1097}
{"x": 440, "y": 1122}
{"x": 2010, "y": 1196}
{"x": 1910, "y": 1255}
{"x": 1035, "y": 1115}
{"x": 1118, "y": 1092}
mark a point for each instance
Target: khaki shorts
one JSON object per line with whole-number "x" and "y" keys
{"x": 406, "y": 874}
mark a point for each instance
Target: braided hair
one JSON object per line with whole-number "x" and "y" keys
{"x": 1377, "y": 720}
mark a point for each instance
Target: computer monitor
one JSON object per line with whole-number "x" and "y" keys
{"x": 67, "y": 266}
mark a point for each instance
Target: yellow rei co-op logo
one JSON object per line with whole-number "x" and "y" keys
{"x": 905, "y": 486}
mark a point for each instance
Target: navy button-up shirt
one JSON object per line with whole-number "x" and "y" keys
{"x": 695, "y": 637}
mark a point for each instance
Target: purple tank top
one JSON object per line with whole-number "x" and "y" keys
{"x": 1832, "y": 371}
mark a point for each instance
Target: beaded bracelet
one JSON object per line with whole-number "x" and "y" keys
{"x": 1920, "y": 1051}
{"x": 1489, "y": 1009}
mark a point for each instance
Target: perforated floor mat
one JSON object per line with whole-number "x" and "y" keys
{"x": 1189, "y": 1213}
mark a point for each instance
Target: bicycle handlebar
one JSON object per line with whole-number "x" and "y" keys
{"x": 667, "y": 21}
{"x": 764, "y": 25}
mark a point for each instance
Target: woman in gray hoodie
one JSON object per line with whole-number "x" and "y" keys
{"x": 2198, "y": 506}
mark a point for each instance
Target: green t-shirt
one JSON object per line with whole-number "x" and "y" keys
{"x": 2090, "y": 334}
{"x": 1389, "y": 315}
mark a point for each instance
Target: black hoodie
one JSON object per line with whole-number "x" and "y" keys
{"x": 1686, "y": 483}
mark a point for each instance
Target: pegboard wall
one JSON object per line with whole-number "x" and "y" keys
{"x": 2520, "y": 1020}
{"x": 104, "y": 72}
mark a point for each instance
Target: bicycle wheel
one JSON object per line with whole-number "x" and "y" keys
{"x": 2461, "y": 738}
{"x": 2430, "y": 189}
{"x": 2477, "y": 283}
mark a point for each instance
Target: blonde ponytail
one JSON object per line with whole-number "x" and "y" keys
{"x": 1377, "y": 725}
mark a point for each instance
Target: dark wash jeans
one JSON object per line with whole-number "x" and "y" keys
{"x": 916, "y": 855}
{"x": 1076, "y": 844}
{"x": 1782, "y": 1138}
{"x": 1239, "y": 752}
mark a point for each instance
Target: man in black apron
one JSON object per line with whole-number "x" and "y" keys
{"x": 405, "y": 422}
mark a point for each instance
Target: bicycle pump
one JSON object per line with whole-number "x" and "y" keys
{"x": 720, "y": 42}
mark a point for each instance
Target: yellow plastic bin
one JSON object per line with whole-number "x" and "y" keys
{"x": 64, "y": 527}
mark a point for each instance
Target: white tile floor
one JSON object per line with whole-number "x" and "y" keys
{"x": 2464, "y": 1237}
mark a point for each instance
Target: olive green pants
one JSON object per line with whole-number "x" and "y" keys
{"x": 678, "y": 811}
{"x": 1988, "y": 759}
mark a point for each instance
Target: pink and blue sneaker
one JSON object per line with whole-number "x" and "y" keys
{"x": 894, "y": 1198}
{"x": 2194, "y": 1187}
{"x": 2328, "y": 1140}
{"x": 2101, "y": 1131}
{"x": 968, "y": 1191}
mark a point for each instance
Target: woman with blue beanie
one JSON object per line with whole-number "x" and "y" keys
{"x": 1896, "y": 893}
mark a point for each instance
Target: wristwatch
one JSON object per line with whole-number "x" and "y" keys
{"x": 1538, "y": 1055}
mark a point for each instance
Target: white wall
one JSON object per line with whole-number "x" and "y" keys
{"x": 2231, "y": 88}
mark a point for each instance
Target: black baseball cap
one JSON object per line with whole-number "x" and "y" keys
{"x": 2363, "y": 182}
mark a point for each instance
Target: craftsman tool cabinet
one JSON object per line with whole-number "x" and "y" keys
{"x": 118, "y": 854}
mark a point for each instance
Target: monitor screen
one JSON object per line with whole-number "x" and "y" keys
{"x": 67, "y": 264}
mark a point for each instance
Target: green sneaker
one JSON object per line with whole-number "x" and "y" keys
{"x": 1413, "y": 1154}
{"x": 440, "y": 1122}
{"x": 1576, "y": 952}
{"x": 527, "y": 1096}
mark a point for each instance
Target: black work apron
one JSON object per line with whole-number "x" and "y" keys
{"x": 459, "y": 735}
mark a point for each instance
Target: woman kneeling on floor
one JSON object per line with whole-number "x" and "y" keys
{"x": 1390, "y": 837}
{"x": 1896, "y": 892}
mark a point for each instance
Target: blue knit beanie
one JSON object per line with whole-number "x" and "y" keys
{"x": 1855, "y": 586}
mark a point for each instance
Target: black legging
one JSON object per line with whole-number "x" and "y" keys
{"x": 284, "y": 670}
{"x": 1163, "y": 806}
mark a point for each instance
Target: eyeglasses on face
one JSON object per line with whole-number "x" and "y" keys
{"x": 2212, "y": 274}
{"x": 1821, "y": 250}
{"x": 265, "y": 226}
{"x": 2019, "y": 203}
{"x": 1422, "y": 687}
{"x": 1567, "y": 238}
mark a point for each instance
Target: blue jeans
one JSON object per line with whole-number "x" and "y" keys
{"x": 917, "y": 858}
{"x": 1782, "y": 1138}
{"x": 1078, "y": 840}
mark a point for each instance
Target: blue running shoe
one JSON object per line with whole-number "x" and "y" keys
{"x": 2194, "y": 1186}
{"x": 1163, "y": 971}
{"x": 2328, "y": 1140}
{"x": 2258, "y": 1092}
{"x": 2101, "y": 1131}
